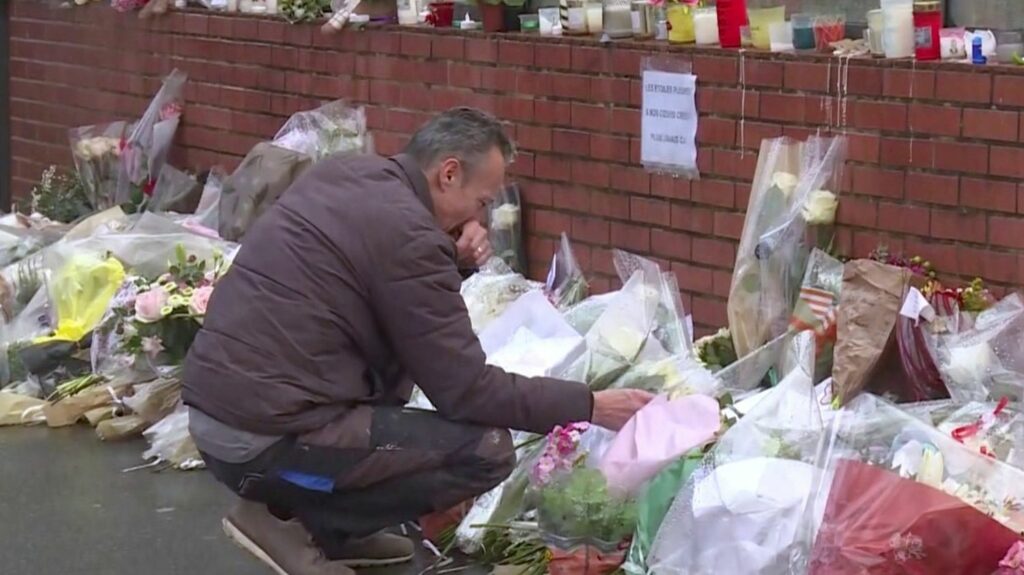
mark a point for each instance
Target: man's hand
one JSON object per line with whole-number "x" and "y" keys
{"x": 473, "y": 245}
{"x": 614, "y": 407}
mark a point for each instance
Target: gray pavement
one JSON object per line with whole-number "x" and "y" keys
{"x": 66, "y": 508}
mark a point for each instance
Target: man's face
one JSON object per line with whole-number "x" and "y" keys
{"x": 460, "y": 196}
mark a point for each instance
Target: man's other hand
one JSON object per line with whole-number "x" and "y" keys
{"x": 614, "y": 407}
{"x": 473, "y": 245}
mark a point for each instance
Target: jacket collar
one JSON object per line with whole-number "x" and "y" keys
{"x": 415, "y": 177}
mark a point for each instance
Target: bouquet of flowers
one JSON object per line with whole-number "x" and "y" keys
{"x": 490, "y": 291}
{"x": 506, "y": 229}
{"x": 60, "y": 196}
{"x": 893, "y": 486}
{"x": 565, "y": 283}
{"x": 994, "y": 430}
{"x": 97, "y": 154}
{"x": 145, "y": 147}
{"x": 156, "y": 320}
{"x": 788, "y": 198}
{"x": 741, "y": 510}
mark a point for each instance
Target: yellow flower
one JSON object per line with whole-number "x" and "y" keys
{"x": 820, "y": 208}
{"x": 169, "y": 287}
{"x": 166, "y": 310}
{"x": 177, "y": 301}
{"x": 187, "y": 291}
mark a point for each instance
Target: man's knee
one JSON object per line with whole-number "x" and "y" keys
{"x": 498, "y": 454}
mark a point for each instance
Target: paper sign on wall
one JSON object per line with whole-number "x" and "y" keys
{"x": 669, "y": 122}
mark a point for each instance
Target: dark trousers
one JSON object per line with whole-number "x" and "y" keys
{"x": 377, "y": 468}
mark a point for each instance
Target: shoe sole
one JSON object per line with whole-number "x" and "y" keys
{"x": 241, "y": 540}
{"x": 357, "y": 563}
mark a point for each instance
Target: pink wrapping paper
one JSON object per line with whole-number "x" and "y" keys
{"x": 657, "y": 435}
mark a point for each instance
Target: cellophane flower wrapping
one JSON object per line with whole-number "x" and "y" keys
{"x": 900, "y": 496}
{"x": 986, "y": 362}
{"x": 815, "y": 308}
{"x": 774, "y": 246}
{"x": 741, "y": 510}
{"x": 96, "y": 151}
{"x": 914, "y": 339}
{"x": 991, "y": 429}
{"x": 148, "y": 142}
{"x": 170, "y": 442}
{"x": 335, "y": 127}
{"x": 566, "y": 285}
{"x": 505, "y": 228}
{"x": 490, "y": 291}
{"x": 174, "y": 191}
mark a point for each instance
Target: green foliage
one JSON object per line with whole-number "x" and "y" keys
{"x": 580, "y": 506}
{"x": 60, "y": 196}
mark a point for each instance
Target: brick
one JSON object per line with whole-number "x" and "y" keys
{"x": 610, "y": 205}
{"x": 783, "y": 107}
{"x": 714, "y": 193}
{"x": 692, "y": 219}
{"x": 1009, "y": 90}
{"x": 516, "y": 53}
{"x": 515, "y": 109}
{"x": 716, "y": 131}
{"x": 607, "y": 147}
{"x": 904, "y": 83}
{"x": 591, "y": 230}
{"x": 886, "y": 116}
{"x": 716, "y": 69}
{"x": 863, "y": 147}
{"x": 857, "y": 212}
{"x": 536, "y": 193}
{"x": 549, "y": 222}
{"x": 635, "y": 180}
{"x": 550, "y": 168}
{"x": 649, "y": 211}
{"x": 530, "y": 83}
{"x": 954, "y": 225}
{"x": 533, "y": 137}
{"x": 385, "y": 42}
{"x": 719, "y": 253}
{"x": 590, "y": 173}
{"x": 557, "y": 56}
{"x": 903, "y": 218}
{"x": 939, "y": 120}
{"x": 499, "y": 80}
{"x": 729, "y": 224}
{"x": 994, "y": 266}
{"x": 1006, "y": 231}
{"x": 863, "y": 80}
{"x": 757, "y": 72}
{"x": 968, "y": 87}
{"x": 871, "y": 181}
{"x": 448, "y": 47}
{"x": 734, "y": 164}
{"x": 552, "y": 113}
{"x": 1008, "y": 162}
{"x": 463, "y": 75}
{"x": 910, "y": 153}
{"x": 807, "y": 76}
{"x": 672, "y": 187}
{"x": 610, "y": 90}
{"x": 627, "y": 62}
{"x": 728, "y": 101}
{"x": 625, "y": 121}
{"x": 630, "y": 237}
{"x": 481, "y": 50}
{"x": 590, "y": 117}
{"x": 672, "y": 245}
{"x": 991, "y": 124}
{"x": 692, "y": 278}
{"x": 572, "y": 86}
{"x": 571, "y": 198}
{"x": 990, "y": 195}
{"x": 933, "y": 188}
{"x": 586, "y": 59}
{"x": 961, "y": 157}
{"x": 753, "y": 132}
{"x": 571, "y": 142}
{"x": 416, "y": 45}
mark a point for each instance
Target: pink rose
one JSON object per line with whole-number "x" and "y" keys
{"x": 152, "y": 346}
{"x": 200, "y": 299}
{"x": 149, "y": 305}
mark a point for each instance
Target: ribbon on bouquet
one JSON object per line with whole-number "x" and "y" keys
{"x": 822, "y": 305}
{"x": 983, "y": 422}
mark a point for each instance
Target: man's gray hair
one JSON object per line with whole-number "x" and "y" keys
{"x": 464, "y": 133}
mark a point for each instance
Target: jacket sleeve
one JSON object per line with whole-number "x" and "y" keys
{"x": 415, "y": 296}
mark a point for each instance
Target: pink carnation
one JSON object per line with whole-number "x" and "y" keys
{"x": 200, "y": 300}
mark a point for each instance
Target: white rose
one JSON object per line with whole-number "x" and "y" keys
{"x": 932, "y": 468}
{"x": 970, "y": 365}
{"x": 98, "y": 148}
{"x": 785, "y": 182}
{"x": 505, "y": 217}
{"x": 82, "y": 149}
{"x": 625, "y": 342}
{"x": 820, "y": 208}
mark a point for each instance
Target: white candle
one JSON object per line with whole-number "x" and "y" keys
{"x": 705, "y": 26}
{"x": 407, "y": 12}
{"x": 595, "y": 18}
{"x": 898, "y": 36}
{"x": 271, "y": 6}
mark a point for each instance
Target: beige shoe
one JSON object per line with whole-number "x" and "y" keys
{"x": 285, "y": 546}
{"x": 377, "y": 550}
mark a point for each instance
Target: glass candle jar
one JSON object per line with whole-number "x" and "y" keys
{"x": 618, "y": 19}
{"x": 573, "y": 14}
{"x": 732, "y": 15}
{"x": 761, "y": 20}
{"x": 803, "y": 31}
{"x": 898, "y": 33}
{"x": 927, "y": 23}
{"x": 705, "y": 26}
{"x": 644, "y": 22}
{"x": 680, "y": 23}
{"x": 595, "y": 17}
{"x": 876, "y": 25}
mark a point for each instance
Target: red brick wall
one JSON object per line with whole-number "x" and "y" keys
{"x": 936, "y": 152}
